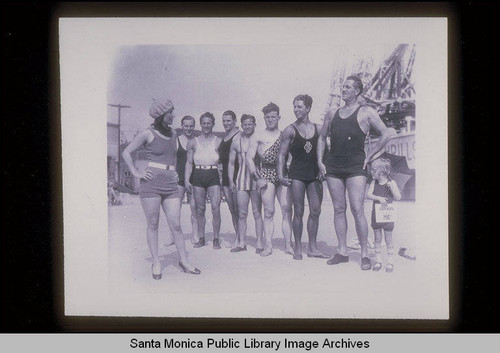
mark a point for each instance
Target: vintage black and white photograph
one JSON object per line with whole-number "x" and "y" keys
{"x": 255, "y": 168}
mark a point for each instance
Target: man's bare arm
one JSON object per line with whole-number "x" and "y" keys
{"x": 191, "y": 146}
{"x": 230, "y": 166}
{"x": 323, "y": 134}
{"x": 378, "y": 125}
{"x": 286, "y": 139}
{"x": 252, "y": 151}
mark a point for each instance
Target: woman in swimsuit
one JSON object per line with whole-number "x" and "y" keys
{"x": 158, "y": 186}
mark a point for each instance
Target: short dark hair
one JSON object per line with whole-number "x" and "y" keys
{"x": 246, "y": 117}
{"x": 271, "y": 107}
{"x": 230, "y": 113}
{"x": 358, "y": 84}
{"x": 208, "y": 115}
{"x": 187, "y": 117}
{"x": 308, "y": 101}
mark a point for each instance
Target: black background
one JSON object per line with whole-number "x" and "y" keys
{"x": 31, "y": 294}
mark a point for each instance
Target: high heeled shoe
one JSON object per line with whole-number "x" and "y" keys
{"x": 194, "y": 272}
{"x": 155, "y": 275}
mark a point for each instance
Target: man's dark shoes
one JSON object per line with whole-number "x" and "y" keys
{"x": 200, "y": 243}
{"x": 216, "y": 243}
{"x": 337, "y": 259}
{"x": 259, "y": 250}
{"x": 366, "y": 264}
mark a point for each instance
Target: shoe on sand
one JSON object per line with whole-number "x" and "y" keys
{"x": 402, "y": 252}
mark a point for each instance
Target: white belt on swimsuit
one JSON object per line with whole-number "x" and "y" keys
{"x": 161, "y": 166}
{"x": 205, "y": 166}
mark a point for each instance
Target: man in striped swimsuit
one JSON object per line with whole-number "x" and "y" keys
{"x": 245, "y": 187}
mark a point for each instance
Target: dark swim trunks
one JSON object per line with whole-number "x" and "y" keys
{"x": 205, "y": 178}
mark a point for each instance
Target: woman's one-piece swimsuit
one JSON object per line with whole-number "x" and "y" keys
{"x": 161, "y": 150}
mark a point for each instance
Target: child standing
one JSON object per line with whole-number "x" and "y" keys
{"x": 382, "y": 190}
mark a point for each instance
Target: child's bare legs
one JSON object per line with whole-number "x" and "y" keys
{"x": 378, "y": 251}
{"x": 390, "y": 250}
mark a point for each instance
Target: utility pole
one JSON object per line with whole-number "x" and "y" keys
{"x": 119, "y": 106}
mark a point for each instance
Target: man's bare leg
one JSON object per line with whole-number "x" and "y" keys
{"x": 284, "y": 195}
{"x": 337, "y": 190}
{"x": 194, "y": 222}
{"x": 299, "y": 193}
{"x": 314, "y": 193}
{"x": 243, "y": 199}
{"x": 214, "y": 194}
{"x": 356, "y": 187}
{"x": 257, "y": 216}
{"x": 232, "y": 203}
{"x": 200, "y": 199}
{"x": 267, "y": 195}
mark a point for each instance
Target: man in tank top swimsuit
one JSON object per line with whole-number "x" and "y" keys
{"x": 300, "y": 140}
{"x": 345, "y": 167}
{"x": 158, "y": 182}
{"x": 232, "y": 134}
{"x": 266, "y": 145}
{"x": 245, "y": 187}
{"x": 187, "y": 125}
{"x": 202, "y": 165}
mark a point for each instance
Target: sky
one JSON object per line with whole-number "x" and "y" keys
{"x": 216, "y": 78}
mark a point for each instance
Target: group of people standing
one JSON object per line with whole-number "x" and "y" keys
{"x": 246, "y": 165}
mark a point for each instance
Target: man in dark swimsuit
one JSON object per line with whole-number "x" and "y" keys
{"x": 300, "y": 140}
{"x": 346, "y": 164}
{"x": 232, "y": 133}
{"x": 187, "y": 125}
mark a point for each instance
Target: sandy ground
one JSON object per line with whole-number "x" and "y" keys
{"x": 223, "y": 272}
{"x": 247, "y": 273}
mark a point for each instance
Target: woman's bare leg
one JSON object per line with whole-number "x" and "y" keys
{"x": 151, "y": 207}
{"x": 171, "y": 208}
